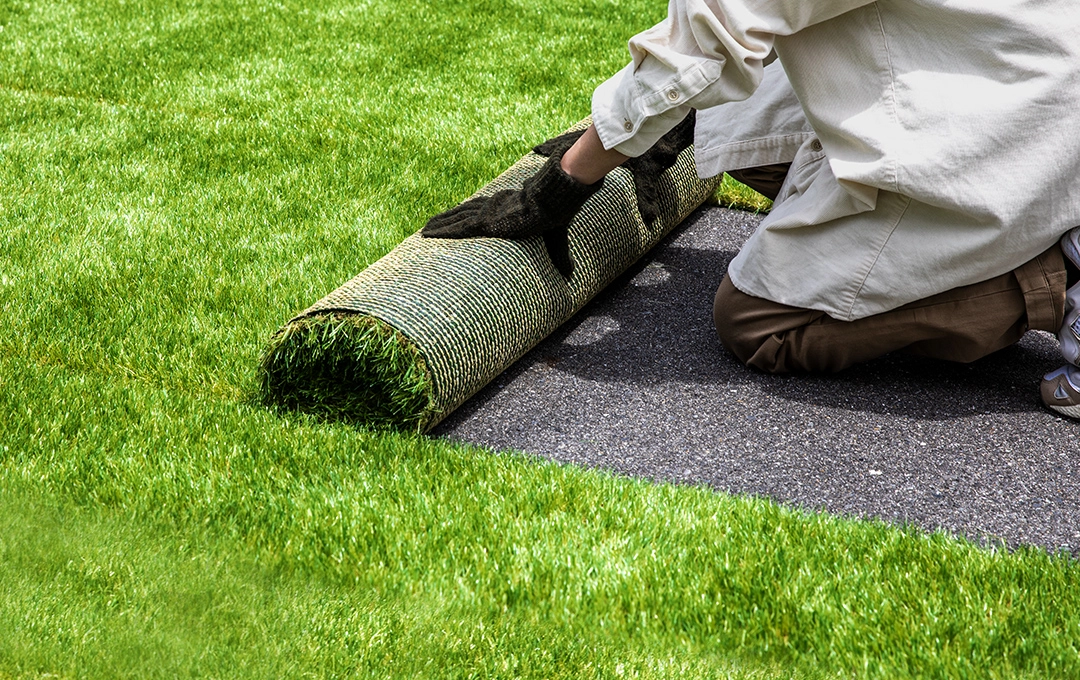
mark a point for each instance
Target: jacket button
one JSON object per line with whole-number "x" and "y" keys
{"x": 673, "y": 95}
{"x": 815, "y": 146}
{"x": 628, "y": 126}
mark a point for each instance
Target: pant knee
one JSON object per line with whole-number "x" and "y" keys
{"x": 766, "y": 335}
{"x": 734, "y": 335}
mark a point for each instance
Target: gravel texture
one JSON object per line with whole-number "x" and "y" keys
{"x": 637, "y": 383}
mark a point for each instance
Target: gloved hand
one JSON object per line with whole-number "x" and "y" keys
{"x": 646, "y": 168}
{"x": 545, "y": 205}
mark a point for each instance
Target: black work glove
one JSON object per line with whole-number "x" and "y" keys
{"x": 545, "y": 205}
{"x": 646, "y": 168}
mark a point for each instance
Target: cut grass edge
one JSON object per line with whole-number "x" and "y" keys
{"x": 350, "y": 367}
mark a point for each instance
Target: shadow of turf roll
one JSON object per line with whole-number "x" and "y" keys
{"x": 421, "y": 330}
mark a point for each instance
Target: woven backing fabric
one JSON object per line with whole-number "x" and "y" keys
{"x": 472, "y": 307}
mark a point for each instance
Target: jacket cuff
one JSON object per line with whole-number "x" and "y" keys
{"x": 620, "y": 119}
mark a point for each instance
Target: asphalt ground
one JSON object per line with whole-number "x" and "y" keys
{"x": 637, "y": 383}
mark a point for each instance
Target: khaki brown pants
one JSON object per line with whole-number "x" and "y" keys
{"x": 963, "y": 324}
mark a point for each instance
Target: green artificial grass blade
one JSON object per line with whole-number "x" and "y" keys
{"x": 353, "y": 367}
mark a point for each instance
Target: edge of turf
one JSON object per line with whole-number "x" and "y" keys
{"x": 351, "y": 367}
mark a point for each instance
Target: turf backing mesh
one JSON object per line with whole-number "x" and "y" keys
{"x": 421, "y": 330}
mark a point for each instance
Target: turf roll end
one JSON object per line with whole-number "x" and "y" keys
{"x": 349, "y": 367}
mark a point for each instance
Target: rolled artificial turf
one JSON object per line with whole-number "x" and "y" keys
{"x": 418, "y": 332}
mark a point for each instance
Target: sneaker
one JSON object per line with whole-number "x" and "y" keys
{"x": 1069, "y": 335}
{"x": 1061, "y": 390}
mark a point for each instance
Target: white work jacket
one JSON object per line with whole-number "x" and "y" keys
{"x": 934, "y": 143}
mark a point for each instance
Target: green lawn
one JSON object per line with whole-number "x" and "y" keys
{"x": 176, "y": 180}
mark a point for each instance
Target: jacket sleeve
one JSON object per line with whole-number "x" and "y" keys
{"x": 705, "y": 53}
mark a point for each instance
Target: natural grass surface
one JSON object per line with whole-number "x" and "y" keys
{"x": 176, "y": 181}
